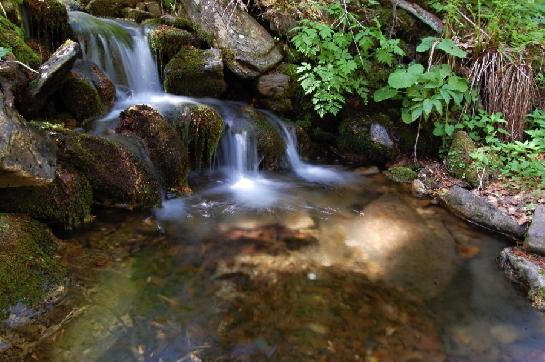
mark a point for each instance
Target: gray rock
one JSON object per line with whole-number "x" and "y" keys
{"x": 275, "y": 85}
{"x": 380, "y": 135}
{"x": 50, "y": 76}
{"x": 419, "y": 189}
{"x": 521, "y": 269}
{"x": 248, "y": 49}
{"x": 27, "y": 155}
{"x": 477, "y": 210}
{"x": 535, "y": 241}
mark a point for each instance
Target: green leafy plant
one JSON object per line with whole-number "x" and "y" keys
{"x": 339, "y": 57}
{"x": 4, "y": 52}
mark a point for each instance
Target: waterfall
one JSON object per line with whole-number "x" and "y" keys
{"x": 120, "y": 49}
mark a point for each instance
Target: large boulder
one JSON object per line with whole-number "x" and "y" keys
{"x": 201, "y": 127}
{"x": 12, "y": 37}
{"x": 28, "y": 268}
{"x": 118, "y": 174}
{"x": 107, "y": 8}
{"x": 248, "y": 49}
{"x": 66, "y": 202}
{"x": 366, "y": 140}
{"x": 91, "y": 72}
{"x": 27, "y": 155}
{"x": 459, "y": 161}
{"x": 166, "y": 150}
{"x": 479, "y": 211}
{"x": 50, "y": 77}
{"x": 196, "y": 73}
{"x": 48, "y": 22}
{"x": 535, "y": 240}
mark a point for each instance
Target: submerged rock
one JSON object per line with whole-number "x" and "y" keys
{"x": 459, "y": 161}
{"x": 478, "y": 210}
{"x": 50, "y": 77}
{"x": 65, "y": 202}
{"x": 12, "y": 37}
{"x": 117, "y": 176}
{"x": 271, "y": 148}
{"x": 166, "y": 150}
{"x": 196, "y": 73}
{"x": 28, "y": 269}
{"x": 528, "y": 270}
{"x": 48, "y": 22}
{"x": 201, "y": 127}
{"x": 27, "y": 155}
{"x": 366, "y": 141}
{"x": 248, "y": 49}
{"x": 535, "y": 240}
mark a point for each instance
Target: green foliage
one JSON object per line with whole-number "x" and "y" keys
{"x": 446, "y": 45}
{"x": 339, "y": 58}
{"x": 429, "y": 93}
{"x": 523, "y": 161}
{"x": 4, "y": 52}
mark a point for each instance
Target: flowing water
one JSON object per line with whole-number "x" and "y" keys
{"x": 315, "y": 263}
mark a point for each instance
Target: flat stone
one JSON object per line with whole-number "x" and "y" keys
{"x": 479, "y": 211}
{"x": 535, "y": 241}
{"x": 50, "y": 76}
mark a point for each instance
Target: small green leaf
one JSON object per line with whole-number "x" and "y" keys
{"x": 4, "y": 52}
{"x": 384, "y": 93}
{"x": 426, "y": 44}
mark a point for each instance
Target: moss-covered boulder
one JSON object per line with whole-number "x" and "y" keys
{"x": 165, "y": 148}
{"x": 65, "y": 202}
{"x": 79, "y": 97}
{"x": 91, "y": 72}
{"x": 117, "y": 174}
{"x": 48, "y": 22}
{"x": 401, "y": 174}
{"x": 28, "y": 269}
{"x": 459, "y": 161}
{"x": 271, "y": 148}
{"x": 12, "y": 37}
{"x": 136, "y": 15}
{"x": 366, "y": 140}
{"x": 196, "y": 73}
{"x": 166, "y": 41}
{"x": 201, "y": 127}
{"x": 106, "y": 8}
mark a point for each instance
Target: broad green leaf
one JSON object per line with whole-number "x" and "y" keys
{"x": 426, "y": 44}
{"x": 4, "y": 52}
{"x": 406, "y": 116}
{"x": 402, "y": 79}
{"x": 427, "y": 106}
{"x": 384, "y": 93}
{"x": 458, "y": 84}
{"x": 416, "y": 113}
{"x": 449, "y": 47}
{"x": 416, "y": 69}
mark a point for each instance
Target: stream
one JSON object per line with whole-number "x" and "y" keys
{"x": 312, "y": 263}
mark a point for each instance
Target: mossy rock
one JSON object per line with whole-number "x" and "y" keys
{"x": 175, "y": 21}
{"x": 91, "y": 72}
{"x": 79, "y": 97}
{"x": 136, "y": 15}
{"x": 29, "y": 271}
{"x": 165, "y": 148}
{"x": 65, "y": 202}
{"x": 48, "y": 20}
{"x": 118, "y": 175}
{"x": 459, "y": 161}
{"x": 401, "y": 174}
{"x": 366, "y": 140}
{"x": 106, "y": 8}
{"x": 12, "y": 37}
{"x": 166, "y": 41}
{"x": 201, "y": 127}
{"x": 271, "y": 148}
{"x": 196, "y": 73}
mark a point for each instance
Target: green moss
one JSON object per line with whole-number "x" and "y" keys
{"x": 201, "y": 127}
{"x": 191, "y": 73}
{"x": 459, "y": 161}
{"x": 356, "y": 143}
{"x": 66, "y": 201}
{"x": 81, "y": 98}
{"x": 401, "y": 174}
{"x": 136, "y": 15}
{"x": 270, "y": 145}
{"x": 28, "y": 269}
{"x": 166, "y": 41}
{"x": 12, "y": 37}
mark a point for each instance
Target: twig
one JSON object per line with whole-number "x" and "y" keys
{"x": 22, "y": 64}
{"x": 425, "y": 16}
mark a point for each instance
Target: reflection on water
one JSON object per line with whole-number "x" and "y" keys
{"x": 354, "y": 272}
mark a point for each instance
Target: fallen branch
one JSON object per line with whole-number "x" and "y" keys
{"x": 423, "y": 15}
{"x": 20, "y": 63}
